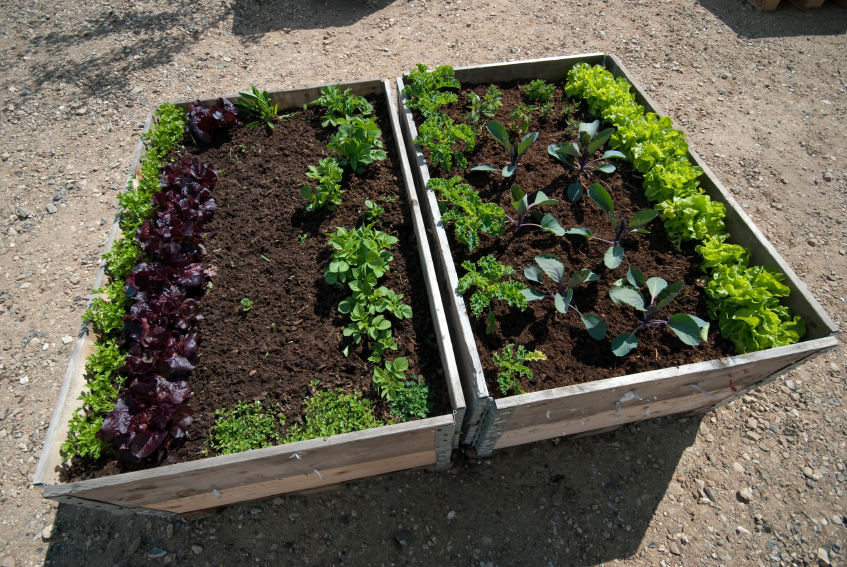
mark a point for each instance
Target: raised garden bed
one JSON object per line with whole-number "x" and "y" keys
{"x": 272, "y": 326}
{"x": 583, "y": 385}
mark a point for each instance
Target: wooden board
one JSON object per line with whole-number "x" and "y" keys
{"x": 497, "y": 417}
{"x": 807, "y": 5}
{"x": 764, "y": 5}
{"x": 186, "y": 486}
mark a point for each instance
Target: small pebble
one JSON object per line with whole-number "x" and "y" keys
{"x": 451, "y": 514}
{"x": 745, "y": 494}
{"x": 197, "y": 549}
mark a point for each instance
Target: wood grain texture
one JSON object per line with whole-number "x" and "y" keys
{"x": 374, "y": 449}
{"x": 307, "y": 481}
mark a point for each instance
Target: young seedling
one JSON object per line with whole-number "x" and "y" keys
{"x": 515, "y": 151}
{"x": 390, "y": 380}
{"x": 301, "y": 238}
{"x": 540, "y": 91}
{"x": 340, "y": 105}
{"x": 373, "y": 210}
{"x": 563, "y": 293}
{"x": 464, "y": 207}
{"x": 328, "y": 192}
{"x": 486, "y": 276}
{"x": 258, "y": 104}
{"x": 520, "y": 202}
{"x": 521, "y": 116}
{"x": 581, "y": 154}
{"x": 513, "y": 368}
{"x": 616, "y": 253}
{"x": 358, "y": 142}
{"x": 690, "y": 329}
{"x": 246, "y": 304}
{"x": 486, "y": 106}
{"x": 546, "y": 110}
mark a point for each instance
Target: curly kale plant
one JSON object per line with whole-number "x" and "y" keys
{"x": 563, "y": 293}
{"x": 423, "y": 88}
{"x": 520, "y": 202}
{"x": 463, "y": 206}
{"x": 690, "y": 329}
{"x": 514, "y": 151}
{"x": 340, "y": 105}
{"x": 485, "y": 276}
{"x": 328, "y": 192}
{"x": 616, "y": 253}
{"x": 579, "y": 155}
{"x": 441, "y": 135}
{"x": 513, "y": 367}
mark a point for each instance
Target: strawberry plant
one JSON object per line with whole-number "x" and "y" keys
{"x": 616, "y": 252}
{"x": 513, "y": 367}
{"x": 328, "y": 192}
{"x": 562, "y": 295}
{"x": 485, "y": 276}
{"x": 579, "y": 155}
{"x": 498, "y": 131}
{"x": 464, "y": 208}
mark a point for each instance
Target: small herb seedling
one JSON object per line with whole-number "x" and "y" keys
{"x": 373, "y": 210}
{"x": 301, "y": 238}
{"x": 246, "y": 304}
{"x": 563, "y": 294}
{"x": 616, "y": 253}
{"x": 486, "y": 106}
{"x": 390, "y": 380}
{"x": 582, "y": 153}
{"x": 515, "y": 151}
{"x": 328, "y": 192}
{"x": 540, "y": 91}
{"x": 258, "y": 104}
{"x": 520, "y": 202}
{"x": 690, "y": 329}
{"x": 546, "y": 110}
{"x": 486, "y": 276}
{"x": 521, "y": 117}
{"x": 513, "y": 368}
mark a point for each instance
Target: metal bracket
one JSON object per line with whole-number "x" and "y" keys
{"x": 444, "y": 444}
{"x": 491, "y": 429}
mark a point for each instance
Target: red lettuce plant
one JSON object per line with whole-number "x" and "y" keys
{"x": 203, "y": 121}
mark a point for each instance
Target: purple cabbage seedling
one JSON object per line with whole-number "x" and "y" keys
{"x": 690, "y": 329}
{"x": 582, "y": 153}
{"x": 563, "y": 293}
{"x": 616, "y": 253}
{"x": 515, "y": 151}
{"x": 520, "y": 202}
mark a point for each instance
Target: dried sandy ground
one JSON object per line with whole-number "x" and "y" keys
{"x": 761, "y": 96}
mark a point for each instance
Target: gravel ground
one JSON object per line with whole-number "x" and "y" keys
{"x": 762, "y": 97}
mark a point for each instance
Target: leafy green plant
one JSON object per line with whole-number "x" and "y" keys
{"x": 358, "y": 142}
{"x": 562, "y": 295}
{"x": 616, "y": 252}
{"x": 463, "y": 206}
{"x": 520, "y": 202}
{"x": 690, "y": 329}
{"x": 539, "y": 91}
{"x": 107, "y": 315}
{"x": 340, "y": 105}
{"x": 332, "y": 412}
{"x": 546, "y": 110}
{"x": 691, "y": 218}
{"x": 373, "y": 210}
{"x": 440, "y": 134}
{"x": 365, "y": 248}
{"x": 514, "y": 151}
{"x": 122, "y": 257}
{"x": 390, "y": 380}
{"x": 246, "y": 304}
{"x": 486, "y": 276}
{"x": 423, "y": 88}
{"x": 579, "y": 155}
{"x": 258, "y": 105}
{"x": 486, "y": 106}
{"x": 513, "y": 367}
{"x": 301, "y": 238}
{"x": 245, "y": 427}
{"x": 414, "y": 400}
{"x": 521, "y": 117}
{"x": 328, "y": 192}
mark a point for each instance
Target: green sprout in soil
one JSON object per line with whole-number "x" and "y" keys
{"x": 513, "y": 368}
{"x": 485, "y": 276}
{"x": 246, "y": 304}
{"x": 258, "y": 105}
{"x": 373, "y": 210}
{"x": 332, "y": 412}
{"x": 245, "y": 427}
{"x": 301, "y": 238}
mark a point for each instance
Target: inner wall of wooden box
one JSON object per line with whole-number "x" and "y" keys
{"x": 74, "y": 381}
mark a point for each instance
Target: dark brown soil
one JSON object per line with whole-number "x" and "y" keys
{"x": 269, "y": 249}
{"x": 572, "y": 355}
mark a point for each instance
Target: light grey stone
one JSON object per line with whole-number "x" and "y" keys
{"x": 745, "y": 494}
{"x": 51, "y": 208}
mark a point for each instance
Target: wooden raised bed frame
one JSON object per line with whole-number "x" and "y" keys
{"x": 605, "y": 404}
{"x": 218, "y": 481}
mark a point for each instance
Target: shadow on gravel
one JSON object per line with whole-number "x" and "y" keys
{"x": 565, "y": 502}
{"x": 257, "y": 17}
{"x": 786, "y": 21}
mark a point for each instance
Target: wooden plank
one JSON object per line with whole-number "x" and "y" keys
{"x": 807, "y": 5}
{"x": 766, "y": 6}
{"x": 400, "y": 445}
{"x": 306, "y": 481}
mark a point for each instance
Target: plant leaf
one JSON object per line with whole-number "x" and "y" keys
{"x": 589, "y": 128}
{"x": 613, "y": 257}
{"x": 552, "y": 266}
{"x": 613, "y": 153}
{"x": 595, "y": 326}
{"x": 685, "y": 328}
{"x": 635, "y": 277}
{"x": 531, "y": 294}
{"x": 600, "y": 196}
{"x": 599, "y": 139}
{"x": 532, "y": 273}
{"x": 484, "y": 168}
{"x": 401, "y": 364}
{"x": 627, "y": 295}
{"x": 667, "y": 295}
{"x": 526, "y": 142}
{"x": 575, "y": 191}
{"x": 624, "y": 343}
{"x": 500, "y": 134}
{"x": 561, "y": 151}
{"x": 542, "y": 199}
{"x": 508, "y": 171}
{"x": 580, "y": 232}
{"x": 584, "y": 275}
{"x": 606, "y": 167}
{"x": 550, "y": 224}
{"x": 562, "y": 303}
{"x": 704, "y": 328}
{"x": 656, "y": 285}
{"x": 519, "y": 200}
{"x": 642, "y": 217}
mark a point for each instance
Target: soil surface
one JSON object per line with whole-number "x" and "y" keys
{"x": 761, "y": 97}
{"x": 572, "y": 355}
